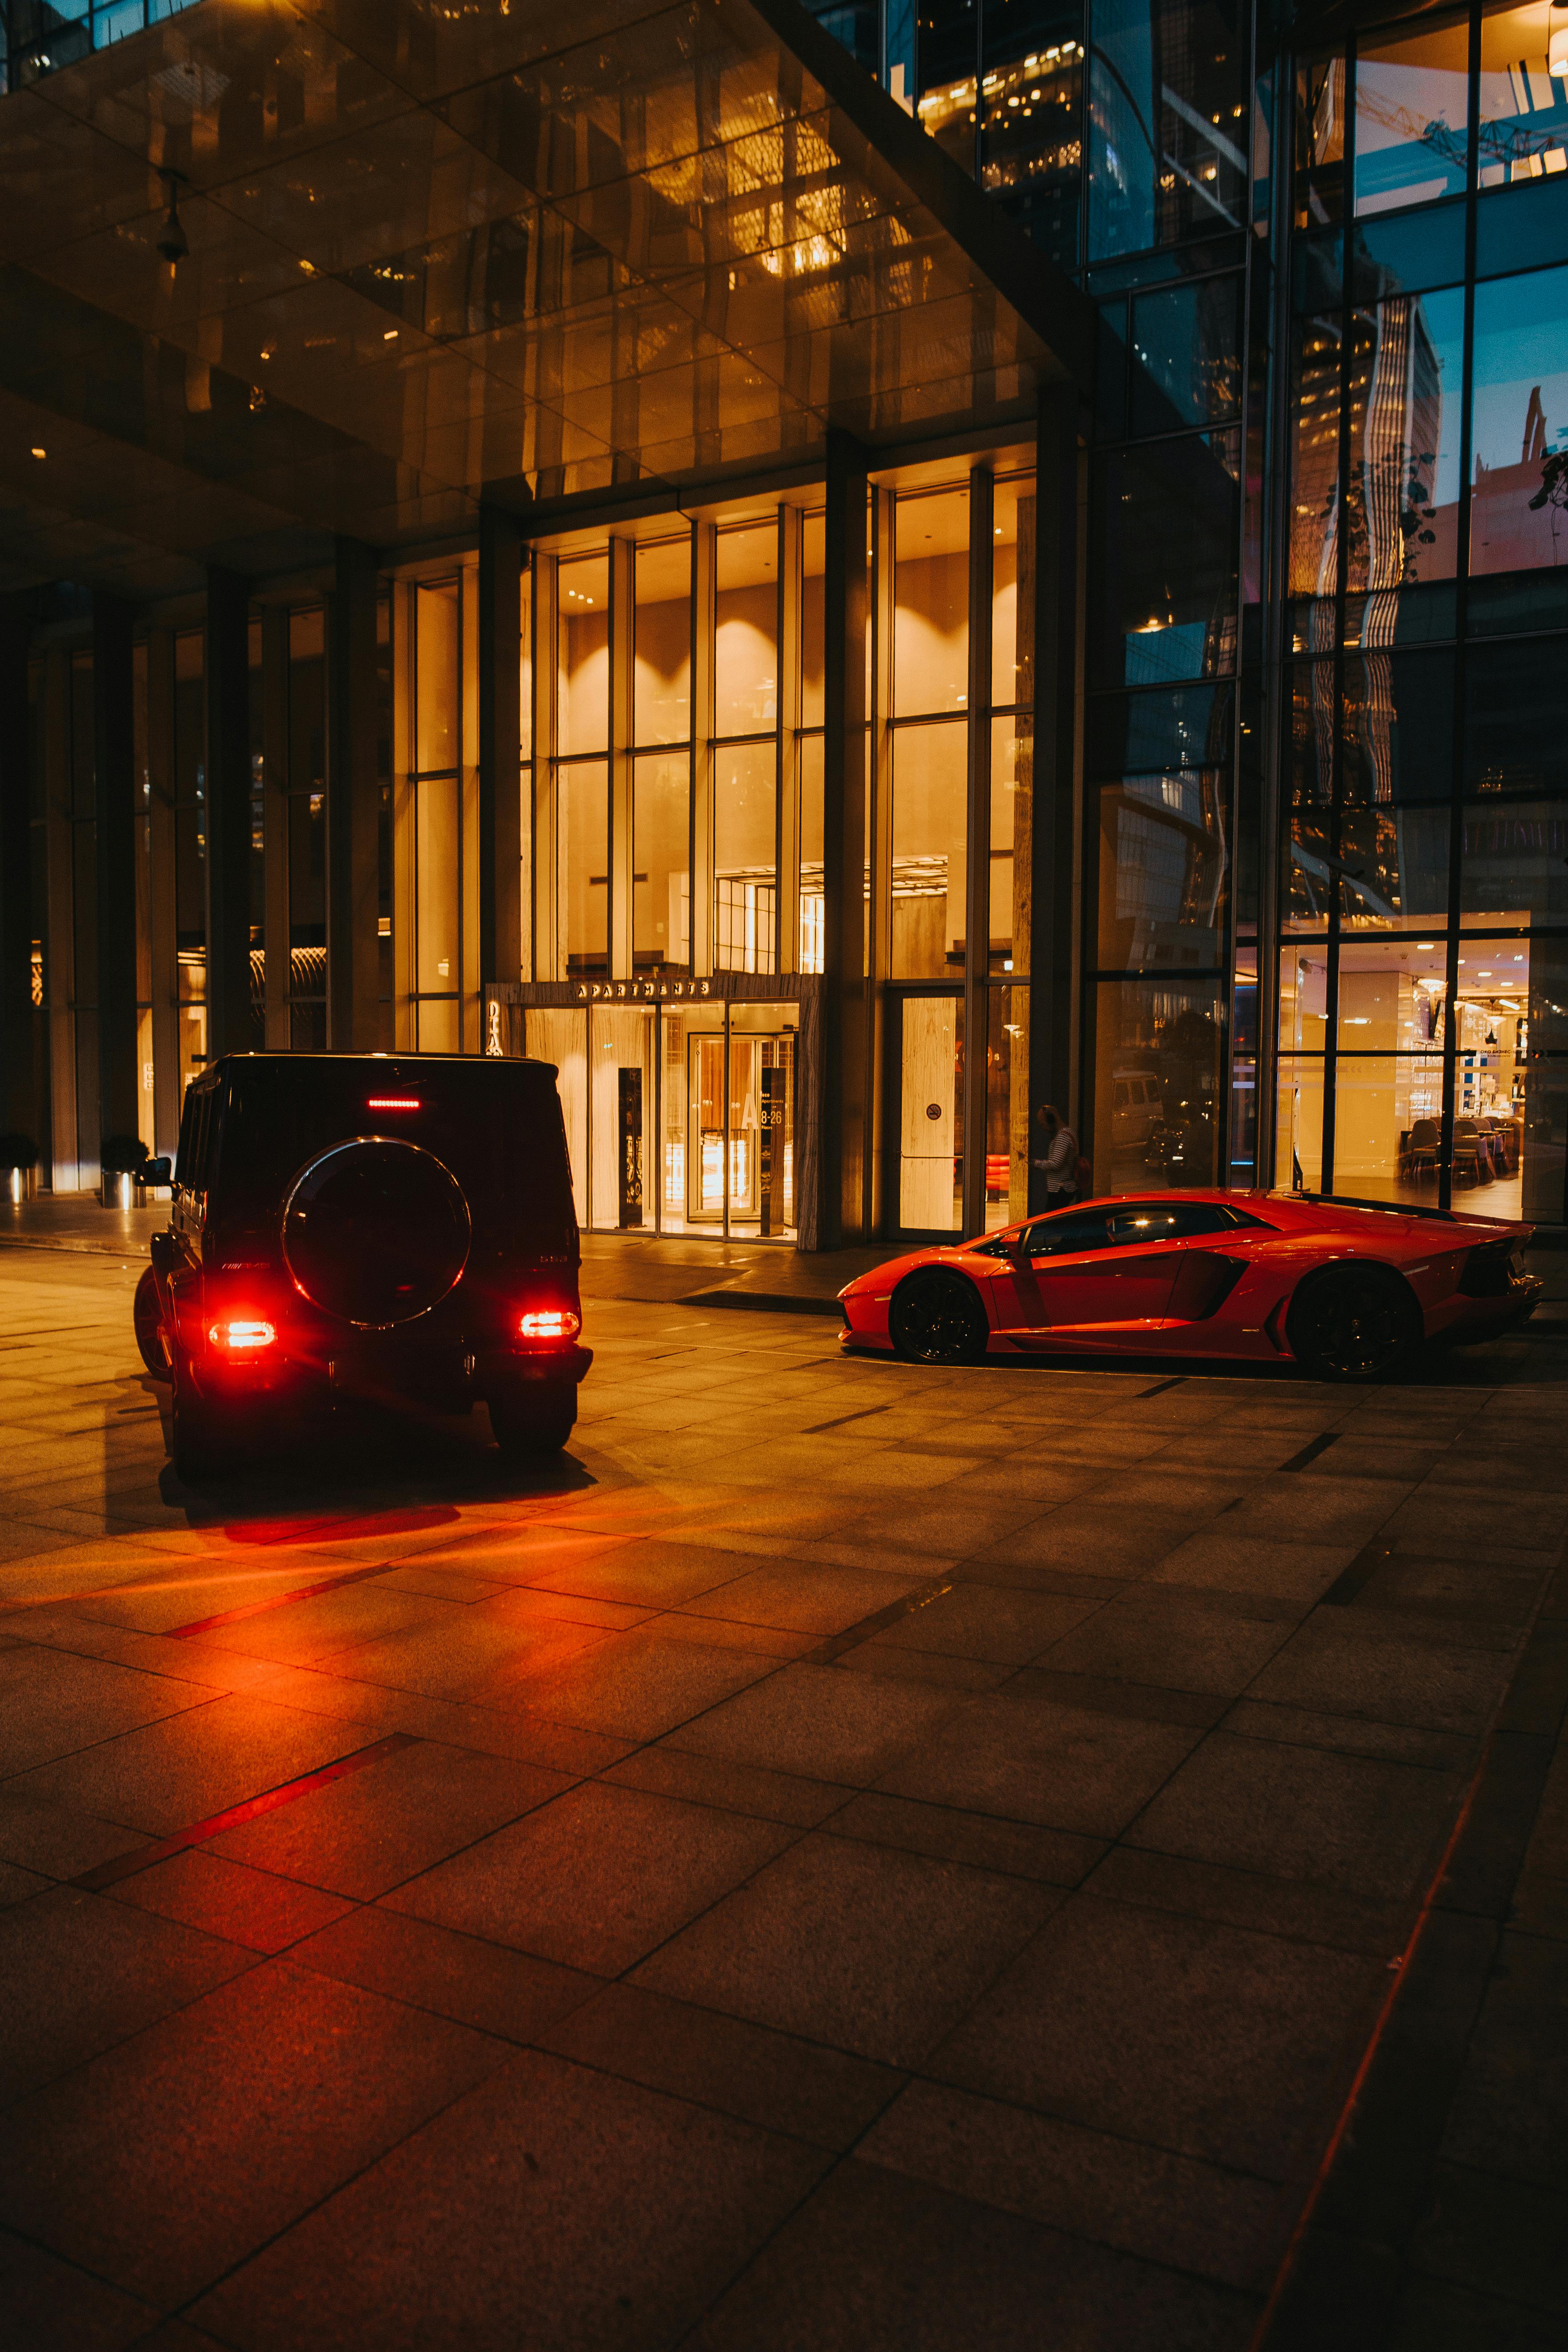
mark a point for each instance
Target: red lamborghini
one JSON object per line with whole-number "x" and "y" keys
{"x": 1346, "y": 1289}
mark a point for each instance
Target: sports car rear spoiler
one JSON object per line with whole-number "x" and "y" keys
{"x": 1393, "y": 1208}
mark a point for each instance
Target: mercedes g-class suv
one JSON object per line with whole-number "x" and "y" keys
{"x": 386, "y": 1230}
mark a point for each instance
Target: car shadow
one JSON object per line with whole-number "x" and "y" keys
{"x": 372, "y": 1475}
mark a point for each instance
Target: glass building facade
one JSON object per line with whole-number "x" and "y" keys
{"x": 1257, "y": 863}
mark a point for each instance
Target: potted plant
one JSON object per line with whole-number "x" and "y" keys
{"x": 18, "y": 1161}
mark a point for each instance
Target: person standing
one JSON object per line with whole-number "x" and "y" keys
{"x": 1058, "y": 1159}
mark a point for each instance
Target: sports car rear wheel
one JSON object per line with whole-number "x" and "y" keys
{"x": 1354, "y": 1324}
{"x": 937, "y": 1318}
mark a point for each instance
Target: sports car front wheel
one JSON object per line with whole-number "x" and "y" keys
{"x": 1353, "y": 1326}
{"x": 937, "y": 1318}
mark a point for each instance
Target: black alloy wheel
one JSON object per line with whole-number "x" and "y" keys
{"x": 532, "y": 1418}
{"x": 148, "y": 1316}
{"x": 937, "y": 1318}
{"x": 1357, "y": 1325}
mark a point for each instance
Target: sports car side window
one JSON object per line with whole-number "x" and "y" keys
{"x": 1062, "y": 1236}
{"x": 1151, "y": 1221}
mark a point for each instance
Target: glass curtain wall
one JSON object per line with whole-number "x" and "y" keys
{"x": 1421, "y": 1056}
{"x": 1170, "y": 200}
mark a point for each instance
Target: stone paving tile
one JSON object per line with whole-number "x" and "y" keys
{"x": 751, "y": 2072}
{"x": 81, "y": 1973}
{"x": 1030, "y": 1756}
{"x": 818, "y": 1721}
{"x": 160, "y": 2164}
{"x": 864, "y": 1948}
{"x": 1338, "y": 1663}
{"x": 670, "y": 1771}
{"x": 1200, "y": 1642}
{"x": 553, "y": 2204}
{"x": 1109, "y": 2019}
{"x": 52, "y": 2306}
{"x": 1197, "y": 2216}
{"x": 253, "y": 1908}
{"x": 477, "y": 1983}
{"x": 596, "y": 1879}
{"x": 875, "y": 2262}
{"x": 372, "y": 1830}
{"x": 1510, "y": 2113}
{"x": 639, "y": 1686}
{"x": 1352, "y": 1823}
{"x": 50, "y": 1705}
{"x": 190, "y": 1765}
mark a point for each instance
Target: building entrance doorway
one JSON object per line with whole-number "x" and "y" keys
{"x": 728, "y": 1130}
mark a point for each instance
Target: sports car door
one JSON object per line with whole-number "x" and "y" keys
{"x": 1119, "y": 1274}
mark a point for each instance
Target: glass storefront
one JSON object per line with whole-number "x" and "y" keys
{"x": 680, "y": 1118}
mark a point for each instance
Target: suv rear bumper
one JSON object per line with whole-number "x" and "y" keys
{"x": 450, "y": 1378}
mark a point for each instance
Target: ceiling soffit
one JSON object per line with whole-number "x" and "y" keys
{"x": 435, "y": 257}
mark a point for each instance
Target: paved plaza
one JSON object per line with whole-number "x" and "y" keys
{"x": 854, "y": 1856}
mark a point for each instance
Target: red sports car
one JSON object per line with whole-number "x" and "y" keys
{"x": 1347, "y": 1289}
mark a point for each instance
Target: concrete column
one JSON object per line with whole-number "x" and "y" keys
{"x": 501, "y": 912}
{"x": 226, "y": 807}
{"x": 275, "y": 821}
{"x": 1053, "y": 952}
{"x": 165, "y": 959}
{"x": 114, "y": 834}
{"x": 354, "y": 805}
{"x": 844, "y": 1104}
{"x": 18, "y": 1083}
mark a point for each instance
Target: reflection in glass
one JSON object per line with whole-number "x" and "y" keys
{"x": 1012, "y": 842}
{"x": 1187, "y": 344}
{"x": 1006, "y": 1107}
{"x": 1411, "y": 114}
{"x": 1163, "y": 871}
{"x": 1319, "y": 134}
{"x": 661, "y": 850}
{"x": 582, "y": 830}
{"x": 1315, "y": 461}
{"x": 1013, "y": 592}
{"x": 745, "y": 856}
{"x": 1524, "y": 109}
{"x": 1397, "y": 719}
{"x": 1167, "y": 123}
{"x": 1515, "y": 863}
{"x": 760, "y": 1143}
{"x": 1031, "y": 143}
{"x": 1158, "y": 1049}
{"x": 583, "y": 604}
{"x": 662, "y": 694}
{"x": 1518, "y": 432}
{"x": 1163, "y": 554}
{"x": 1514, "y": 737}
{"x": 438, "y": 722}
{"x": 1388, "y": 1111}
{"x": 931, "y": 599}
{"x": 931, "y": 789}
{"x": 1402, "y": 499}
{"x": 746, "y": 612}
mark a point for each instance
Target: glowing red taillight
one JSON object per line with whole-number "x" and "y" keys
{"x": 242, "y": 1337}
{"x": 393, "y": 1102}
{"x": 548, "y": 1323}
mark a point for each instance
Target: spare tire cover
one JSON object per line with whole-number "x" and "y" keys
{"x": 375, "y": 1231}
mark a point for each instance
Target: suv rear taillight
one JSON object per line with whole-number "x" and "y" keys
{"x": 1491, "y": 1271}
{"x": 242, "y": 1336}
{"x": 548, "y": 1323}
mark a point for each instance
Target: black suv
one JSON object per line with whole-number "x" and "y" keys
{"x": 359, "y": 1227}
